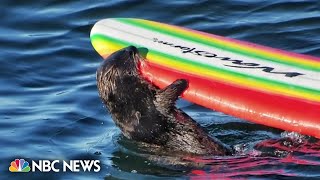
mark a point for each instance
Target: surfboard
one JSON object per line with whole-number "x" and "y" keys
{"x": 253, "y": 82}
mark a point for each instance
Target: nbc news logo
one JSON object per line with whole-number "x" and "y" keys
{"x": 21, "y": 165}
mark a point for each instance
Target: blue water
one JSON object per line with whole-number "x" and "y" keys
{"x": 50, "y": 107}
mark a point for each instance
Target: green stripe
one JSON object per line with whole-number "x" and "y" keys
{"x": 210, "y": 43}
{"x": 205, "y": 67}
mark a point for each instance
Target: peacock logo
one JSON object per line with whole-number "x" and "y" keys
{"x": 19, "y": 165}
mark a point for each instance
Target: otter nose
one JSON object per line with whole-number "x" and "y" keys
{"x": 132, "y": 49}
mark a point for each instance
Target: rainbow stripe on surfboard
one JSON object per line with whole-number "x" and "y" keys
{"x": 265, "y": 85}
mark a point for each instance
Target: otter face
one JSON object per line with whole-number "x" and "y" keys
{"x": 124, "y": 61}
{"x": 116, "y": 69}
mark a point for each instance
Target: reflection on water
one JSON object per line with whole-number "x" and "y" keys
{"x": 50, "y": 107}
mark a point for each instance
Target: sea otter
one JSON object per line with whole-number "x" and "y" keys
{"x": 147, "y": 114}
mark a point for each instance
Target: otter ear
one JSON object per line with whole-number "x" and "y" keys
{"x": 167, "y": 96}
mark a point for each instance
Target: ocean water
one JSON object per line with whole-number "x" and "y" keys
{"x": 50, "y": 108}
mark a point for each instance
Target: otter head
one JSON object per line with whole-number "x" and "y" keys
{"x": 124, "y": 61}
{"x": 116, "y": 69}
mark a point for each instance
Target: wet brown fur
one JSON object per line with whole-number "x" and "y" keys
{"x": 147, "y": 114}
